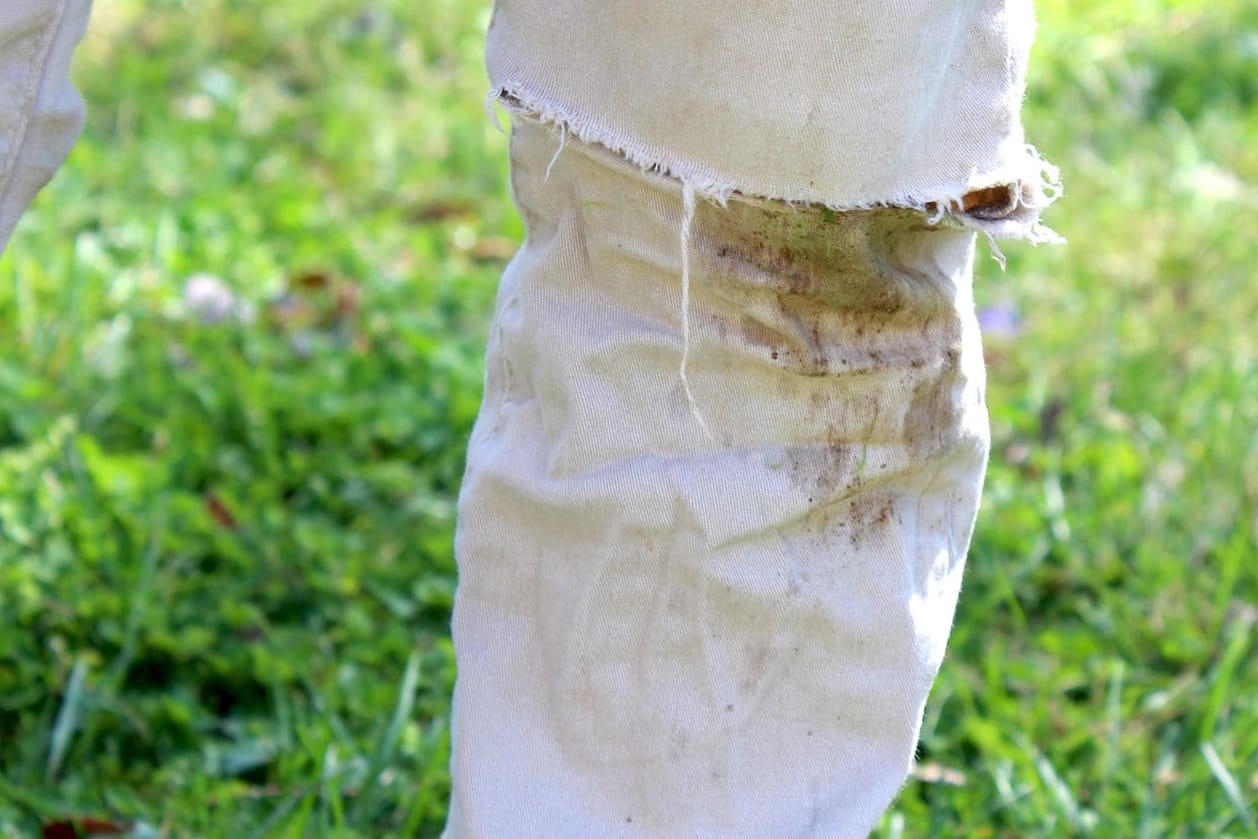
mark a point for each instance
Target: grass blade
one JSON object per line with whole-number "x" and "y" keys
{"x": 67, "y": 721}
{"x": 1057, "y": 787}
{"x": 1230, "y": 787}
{"x": 388, "y": 742}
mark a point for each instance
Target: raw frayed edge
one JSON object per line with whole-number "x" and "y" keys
{"x": 521, "y": 104}
{"x": 1038, "y": 184}
{"x": 1038, "y": 181}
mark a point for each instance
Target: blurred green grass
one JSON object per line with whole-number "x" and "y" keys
{"x": 225, "y": 544}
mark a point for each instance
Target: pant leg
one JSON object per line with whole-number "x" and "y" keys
{"x": 41, "y": 114}
{"x": 715, "y": 613}
{"x": 908, "y": 103}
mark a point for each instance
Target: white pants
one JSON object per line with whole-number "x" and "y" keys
{"x": 723, "y": 481}
{"x": 40, "y": 112}
{"x": 665, "y": 633}
{"x": 720, "y": 492}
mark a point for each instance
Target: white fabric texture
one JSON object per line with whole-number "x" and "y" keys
{"x": 889, "y": 102}
{"x": 669, "y": 634}
{"x": 41, "y": 114}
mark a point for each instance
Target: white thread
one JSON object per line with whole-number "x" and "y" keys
{"x": 563, "y": 141}
{"x": 687, "y": 217}
{"x": 491, "y": 99}
{"x": 997, "y": 253}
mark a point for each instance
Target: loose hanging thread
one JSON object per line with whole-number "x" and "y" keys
{"x": 687, "y": 217}
{"x": 563, "y": 141}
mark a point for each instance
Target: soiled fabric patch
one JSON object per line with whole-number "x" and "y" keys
{"x": 904, "y": 103}
{"x": 669, "y": 631}
{"x": 40, "y": 112}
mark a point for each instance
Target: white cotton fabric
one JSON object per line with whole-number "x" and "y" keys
{"x": 849, "y": 105}
{"x": 41, "y": 114}
{"x": 665, "y": 634}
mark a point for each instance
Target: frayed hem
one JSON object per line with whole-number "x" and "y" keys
{"x": 1031, "y": 182}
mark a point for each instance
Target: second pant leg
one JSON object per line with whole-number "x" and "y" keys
{"x": 41, "y": 114}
